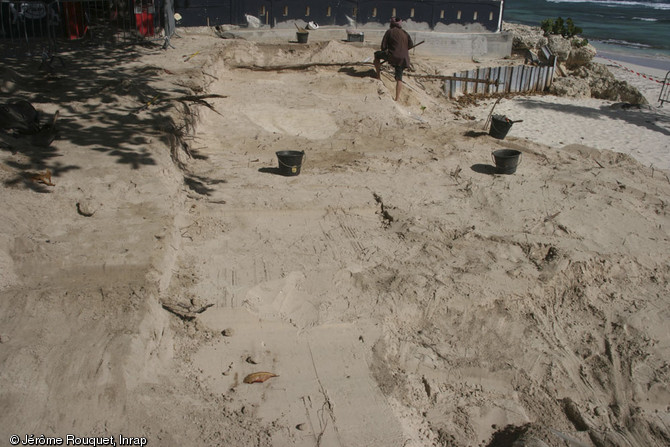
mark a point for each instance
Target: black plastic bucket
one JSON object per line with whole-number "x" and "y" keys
{"x": 302, "y": 37}
{"x": 290, "y": 162}
{"x": 506, "y": 160}
{"x": 500, "y": 125}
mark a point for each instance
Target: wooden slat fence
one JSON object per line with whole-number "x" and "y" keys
{"x": 510, "y": 79}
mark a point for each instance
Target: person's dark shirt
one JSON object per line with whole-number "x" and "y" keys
{"x": 397, "y": 43}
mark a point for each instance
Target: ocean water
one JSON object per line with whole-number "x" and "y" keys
{"x": 637, "y": 29}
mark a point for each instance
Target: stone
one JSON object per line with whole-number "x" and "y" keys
{"x": 560, "y": 46}
{"x": 86, "y": 208}
{"x": 580, "y": 56}
{"x": 571, "y": 87}
{"x": 525, "y": 37}
{"x": 617, "y": 91}
{"x": 603, "y": 85}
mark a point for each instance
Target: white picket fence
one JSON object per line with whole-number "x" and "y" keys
{"x": 511, "y": 79}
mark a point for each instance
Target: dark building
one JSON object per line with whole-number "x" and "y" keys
{"x": 486, "y": 13}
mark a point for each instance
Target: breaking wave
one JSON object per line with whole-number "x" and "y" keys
{"x": 615, "y": 3}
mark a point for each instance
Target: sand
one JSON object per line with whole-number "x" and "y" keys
{"x": 401, "y": 292}
{"x": 642, "y": 132}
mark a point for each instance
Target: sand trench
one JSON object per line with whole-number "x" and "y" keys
{"x": 478, "y": 309}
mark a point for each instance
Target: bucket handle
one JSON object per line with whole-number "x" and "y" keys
{"x": 493, "y": 158}
{"x": 304, "y": 159}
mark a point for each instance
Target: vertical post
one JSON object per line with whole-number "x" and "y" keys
{"x": 458, "y": 85}
{"x": 500, "y": 16}
{"x": 664, "y": 96}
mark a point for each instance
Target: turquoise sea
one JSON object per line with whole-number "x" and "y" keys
{"x": 629, "y": 30}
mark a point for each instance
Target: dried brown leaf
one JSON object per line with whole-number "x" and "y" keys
{"x": 259, "y": 377}
{"x": 43, "y": 178}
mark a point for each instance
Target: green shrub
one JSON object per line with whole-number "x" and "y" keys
{"x": 565, "y": 28}
{"x": 578, "y": 43}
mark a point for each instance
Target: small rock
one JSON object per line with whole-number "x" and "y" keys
{"x": 228, "y": 332}
{"x": 86, "y": 208}
{"x": 300, "y": 427}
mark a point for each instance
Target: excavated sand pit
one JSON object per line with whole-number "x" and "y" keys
{"x": 402, "y": 293}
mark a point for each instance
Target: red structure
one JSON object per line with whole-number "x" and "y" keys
{"x": 144, "y": 17}
{"x": 75, "y": 24}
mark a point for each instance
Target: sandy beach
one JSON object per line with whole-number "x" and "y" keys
{"x": 641, "y": 132}
{"x": 398, "y": 291}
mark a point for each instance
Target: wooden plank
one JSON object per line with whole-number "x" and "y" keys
{"x": 553, "y": 70}
{"x": 481, "y": 74}
{"x": 514, "y": 84}
{"x": 457, "y": 86}
{"x": 509, "y": 71}
{"x": 493, "y": 75}
{"x": 478, "y": 86}
{"x": 534, "y": 76}
{"x": 474, "y": 85}
{"x": 517, "y": 78}
{"x": 470, "y": 87}
{"x": 527, "y": 75}
{"x": 486, "y": 76}
{"x": 508, "y": 79}
{"x": 505, "y": 78}
{"x": 543, "y": 78}
{"x": 525, "y": 78}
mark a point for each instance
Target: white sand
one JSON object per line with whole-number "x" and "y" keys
{"x": 643, "y": 133}
{"x": 401, "y": 292}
